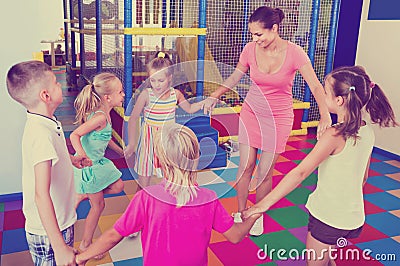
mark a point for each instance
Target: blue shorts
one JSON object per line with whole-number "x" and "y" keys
{"x": 41, "y": 251}
{"x": 328, "y": 234}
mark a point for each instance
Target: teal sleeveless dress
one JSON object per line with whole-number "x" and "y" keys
{"x": 103, "y": 172}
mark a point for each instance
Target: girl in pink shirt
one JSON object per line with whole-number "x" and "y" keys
{"x": 169, "y": 213}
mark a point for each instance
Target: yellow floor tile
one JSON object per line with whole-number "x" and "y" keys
{"x": 116, "y": 205}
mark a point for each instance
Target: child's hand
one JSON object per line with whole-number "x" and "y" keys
{"x": 209, "y": 105}
{"x": 254, "y": 210}
{"x": 129, "y": 151}
{"x": 65, "y": 256}
{"x": 78, "y": 261}
{"x": 87, "y": 162}
{"x": 80, "y": 161}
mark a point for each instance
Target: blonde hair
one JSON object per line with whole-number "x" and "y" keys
{"x": 25, "y": 79}
{"x": 90, "y": 98}
{"x": 177, "y": 149}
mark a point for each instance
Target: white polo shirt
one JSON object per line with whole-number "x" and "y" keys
{"x": 43, "y": 140}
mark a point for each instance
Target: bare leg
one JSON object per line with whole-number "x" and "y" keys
{"x": 247, "y": 163}
{"x": 97, "y": 206}
{"x": 319, "y": 252}
{"x": 265, "y": 169}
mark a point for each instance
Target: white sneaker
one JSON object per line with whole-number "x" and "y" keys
{"x": 237, "y": 217}
{"x": 133, "y": 235}
{"x": 258, "y": 227}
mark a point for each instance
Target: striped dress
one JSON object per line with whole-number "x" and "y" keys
{"x": 157, "y": 113}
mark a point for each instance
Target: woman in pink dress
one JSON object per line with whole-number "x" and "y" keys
{"x": 266, "y": 117}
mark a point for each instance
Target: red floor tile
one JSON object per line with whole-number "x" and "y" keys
{"x": 14, "y": 220}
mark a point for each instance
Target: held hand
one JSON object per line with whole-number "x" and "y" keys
{"x": 65, "y": 256}
{"x": 79, "y": 261}
{"x": 324, "y": 123}
{"x": 253, "y": 211}
{"x": 129, "y": 151}
{"x": 86, "y": 162}
{"x": 80, "y": 161}
{"x": 209, "y": 104}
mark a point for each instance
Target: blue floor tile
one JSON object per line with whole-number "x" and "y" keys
{"x": 384, "y": 182}
{"x": 384, "y": 200}
{"x": 228, "y": 174}
{"x": 83, "y": 209}
{"x": 223, "y": 190}
{"x": 130, "y": 262}
{"x": 384, "y": 168}
{"x": 385, "y": 222}
{"x": 380, "y": 157}
{"x": 128, "y": 174}
{"x": 14, "y": 241}
{"x": 386, "y": 251}
{"x": 235, "y": 160}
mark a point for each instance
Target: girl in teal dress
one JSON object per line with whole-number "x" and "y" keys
{"x": 90, "y": 140}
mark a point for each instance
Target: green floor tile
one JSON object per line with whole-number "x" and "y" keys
{"x": 313, "y": 141}
{"x": 310, "y": 180}
{"x": 268, "y": 264}
{"x": 289, "y": 217}
{"x": 1, "y": 207}
{"x": 283, "y": 241}
{"x": 307, "y": 150}
{"x": 297, "y": 161}
{"x": 299, "y": 195}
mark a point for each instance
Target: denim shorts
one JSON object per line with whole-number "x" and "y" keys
{"x": 328, "y": 234}
{"x": 41, "y": 251}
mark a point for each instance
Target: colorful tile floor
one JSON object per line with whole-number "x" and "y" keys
{"x": 285, "y": 225}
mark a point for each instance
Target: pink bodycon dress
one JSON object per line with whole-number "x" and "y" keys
{"x": 266, "y": 117}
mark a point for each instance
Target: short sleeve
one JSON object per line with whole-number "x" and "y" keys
{"x": 245, "y": 55}
{"x": 132, "y": 219}
{"x": 299, "y": 57}
{"x": 222, "y": 220}
{"x": 43, "y": 150}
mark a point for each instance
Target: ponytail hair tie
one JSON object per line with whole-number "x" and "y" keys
{"x": 372, "y": 84}
{"x": 352, "y": 88}
{"x": 161, "y": 55}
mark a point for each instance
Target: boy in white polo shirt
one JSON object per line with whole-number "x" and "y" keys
{"x": 47, "y": 173}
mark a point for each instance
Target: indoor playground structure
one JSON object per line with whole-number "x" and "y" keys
{"x": 204, "y": 38}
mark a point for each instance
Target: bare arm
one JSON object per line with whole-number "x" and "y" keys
{"x": 324, "y": 147}
{"x": 115, "y": 147}
{"x": 132, "y": 123}
{"x": 185, "y": 105}
{"x": 317, "y": 90}
{"x": 231, "y": 81}
{"x": 238, "y": 231}
{"x": 228, "y": 84}
{"x": 106, "y": 241}
{"x": 97, "y": 122}
{"x": 63, "y": 253}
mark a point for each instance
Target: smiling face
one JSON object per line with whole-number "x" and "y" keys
{"x": 160, "y": 81}
{"x": 118, "y": 95}
{"x": 261, "y": 36}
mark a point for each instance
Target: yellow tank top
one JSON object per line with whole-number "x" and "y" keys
{"x": 338, "y": 197}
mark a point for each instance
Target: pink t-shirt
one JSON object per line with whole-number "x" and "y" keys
{"x": 276, "y": 88}
{"x": 171, "y": 235}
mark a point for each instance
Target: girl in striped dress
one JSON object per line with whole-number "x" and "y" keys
{"x": 158, "y": 105}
